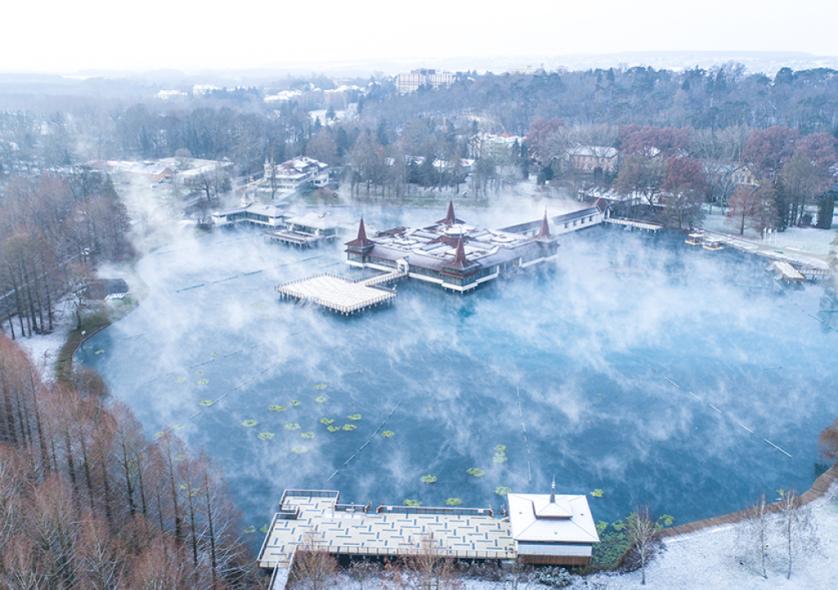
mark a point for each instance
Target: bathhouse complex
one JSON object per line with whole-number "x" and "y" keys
{"x": 306, "y": 230}
{"x": 449, "y": 253}
{"x": 458, "y": 256}
{"x": 539, "y": 529}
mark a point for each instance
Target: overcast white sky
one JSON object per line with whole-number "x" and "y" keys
{"x": 66, "y": 36}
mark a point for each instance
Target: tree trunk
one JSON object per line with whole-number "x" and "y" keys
{"x": 213, "y": 558}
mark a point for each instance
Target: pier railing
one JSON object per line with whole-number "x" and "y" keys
{"x": 442, "y": 510}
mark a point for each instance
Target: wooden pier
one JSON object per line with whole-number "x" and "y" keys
{"x": 635, "y": 224}
{"x": 339, "y": 294}
{"x": 787, "y": 273}
{"x": 791, "y": 267}
{"x": 388, "y": 531}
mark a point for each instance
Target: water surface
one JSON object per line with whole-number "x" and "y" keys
{"x": 635, "y": 365}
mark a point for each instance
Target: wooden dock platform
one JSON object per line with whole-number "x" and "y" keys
{"x": 317, "y": 518}
{"x": 336, "y": 293}
{"x": 787, "y": 272}
{"x": 342, "y": 295}
{"x": 635, "y": 224}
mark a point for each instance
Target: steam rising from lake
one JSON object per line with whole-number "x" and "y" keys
{"x": 633, "y": 364}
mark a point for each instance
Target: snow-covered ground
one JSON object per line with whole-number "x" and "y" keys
{"x": 699, "y": 561}
{"x": 802, "y": 240}
{"x": 43, "y": 348}
{"x": 705, "y": 559}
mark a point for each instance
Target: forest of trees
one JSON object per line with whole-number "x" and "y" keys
{"x": 88, "y": 502}
{"x": 54, "y": 229}
{"x": 724, "y": 101}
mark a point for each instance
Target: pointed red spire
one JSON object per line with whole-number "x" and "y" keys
{"x": 362, "y": 232}
{"x": 362, "y": 242}
{"x": 460, "y": 255}
{"x": 450, "y": 218}
{"x": 544, "y": 230}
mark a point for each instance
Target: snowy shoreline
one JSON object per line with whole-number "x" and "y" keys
{"x": 44, "y": 349}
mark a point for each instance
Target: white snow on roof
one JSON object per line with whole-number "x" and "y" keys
{"x": 282, "y": 96}
{"x": 313, "y": 219}
{"x": 204, "y": 88}
{"x": 597, "y": 151}
{"x": 567, "y": 520}
{"x": 168, "y": 94}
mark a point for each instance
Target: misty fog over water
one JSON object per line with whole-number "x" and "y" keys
{"x": 633, "y": 364}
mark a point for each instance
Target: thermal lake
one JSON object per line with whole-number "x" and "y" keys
{"x": 657, "y": 373}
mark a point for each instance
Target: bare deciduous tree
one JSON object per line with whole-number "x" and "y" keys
{"x": 430, "y": 569}
{"x": 642, "y": 533}
{"x": 752, "y": 537}
{"x": 314, "y": 568}
{"x": 797, "y": 527}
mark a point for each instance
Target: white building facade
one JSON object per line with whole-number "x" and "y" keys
{"x": 552, "y": 529}
{"x": 415, "y": 79}
{"x": 295, "y": 175}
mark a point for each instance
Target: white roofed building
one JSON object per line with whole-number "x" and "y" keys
{"x": 590, "y": 159}
{"x": 415, "y": 79}
{"x": 251, "y": 214}
{"x": 540, "y": 529}
{"x": 294, "y": 175}
{"x": 551, "y": 529}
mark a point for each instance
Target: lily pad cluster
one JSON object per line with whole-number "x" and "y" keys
{"x": 326, "y": 421}
{"x": 207, "y": 402}
{"x": 428, "y": 479}
{"x": 276, "y": 408}
{"x": 598, "y": 493}
{"x": 332, "y": 428}
{"x": 295, "y": 403}
{"x": 299, "y": 450}
{"x": 307, "y": 435}
{"x": 249, "y": 423}
{"x": 499, "y": 457}
{"x": 388, "y": 433}
{"x": 321, "y": 399}
{"x": 320, "y": 386}
{"x": 291, "y": 426}
{"x": 454, "y": 502}
{"x": 475, "y": 472}
{"x": 412, "y": 502}
{"x": 354, "y": 417}
{"x": 502, "y": 490}
{"x": 265, "y": 436}
{"x": 203, "y": 381}
{"x": 349, "y": 427}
